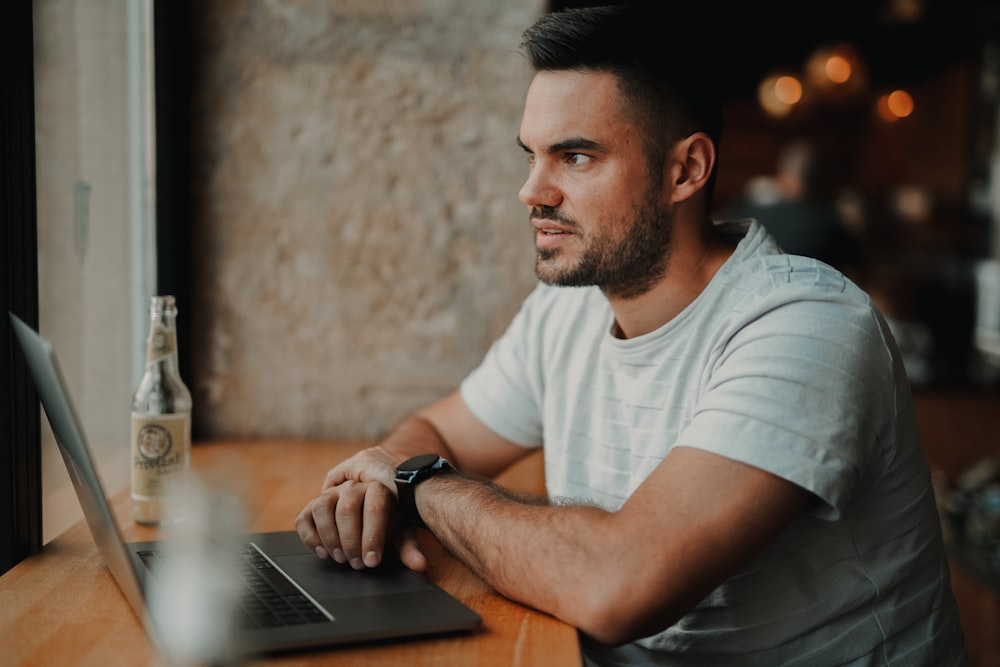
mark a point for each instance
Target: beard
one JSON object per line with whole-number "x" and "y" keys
{"x": 623, "y": 265}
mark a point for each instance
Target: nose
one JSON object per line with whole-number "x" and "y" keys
{"x": 539, "y": 190}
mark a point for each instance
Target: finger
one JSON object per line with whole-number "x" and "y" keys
{"x": 306, "y": 529}
{"x": 351, "y": 469}
{"x": 379, "y": 514}
{"x": 334, "y": 476}
{"x": 305, "y": 525}
{"x": 323, "y": 513}
{"x": 348, "y": 516}
{"x": 368, "y": 465}
{"x": 409, "y": 549}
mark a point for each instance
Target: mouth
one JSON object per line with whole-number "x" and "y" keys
{"x": 549, "y": 234}
{"x": 548, "y": 226}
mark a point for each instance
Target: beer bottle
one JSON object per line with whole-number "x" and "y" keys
{"x": 161, "y": 420}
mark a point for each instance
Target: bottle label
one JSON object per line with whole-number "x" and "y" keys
{"x": 161, "y": 449}
{"x": 161, "y": 344}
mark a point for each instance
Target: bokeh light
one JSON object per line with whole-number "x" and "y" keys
{"x": 895, "y": 105}
{"x": 778, "y": 94}
{"x": 837, "y": 73}
{"x": 837, "y": 68}
{"x": 788, "y": 89}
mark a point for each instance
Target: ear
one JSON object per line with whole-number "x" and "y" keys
{"x": 693, "y": 159}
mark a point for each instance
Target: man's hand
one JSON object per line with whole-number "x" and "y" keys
{"x": 356, "y": 514}
{"x": 374, "y": 464}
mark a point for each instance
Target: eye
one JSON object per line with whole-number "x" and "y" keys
{"x": 578, "y": 159}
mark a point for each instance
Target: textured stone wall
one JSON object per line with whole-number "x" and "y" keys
{"x": 358, "y": 238}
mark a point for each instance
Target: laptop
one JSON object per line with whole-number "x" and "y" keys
{"x": 331, "y": 604}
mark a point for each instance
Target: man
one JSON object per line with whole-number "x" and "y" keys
{"x": 731, "y": 454}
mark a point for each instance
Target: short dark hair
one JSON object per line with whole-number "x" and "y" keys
{"x": 663, "y": 72}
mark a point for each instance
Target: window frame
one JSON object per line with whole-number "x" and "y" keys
{"x": 20, "y": 410}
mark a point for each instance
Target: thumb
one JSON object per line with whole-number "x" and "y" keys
{"x": 409, "y": 549}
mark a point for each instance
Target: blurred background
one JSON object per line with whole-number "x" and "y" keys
{"x": 353, "y": 187}
{"x": 330, "y": 190}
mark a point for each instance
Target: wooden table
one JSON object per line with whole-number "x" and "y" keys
{"x": 62, "y": 607}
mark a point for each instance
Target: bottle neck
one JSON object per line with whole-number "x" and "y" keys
{"x": 161, "y": 346}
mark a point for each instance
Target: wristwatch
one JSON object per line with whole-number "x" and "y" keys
{"x": 411, "y": 472}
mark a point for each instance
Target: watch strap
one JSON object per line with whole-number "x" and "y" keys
{"x": 409, "y": 474}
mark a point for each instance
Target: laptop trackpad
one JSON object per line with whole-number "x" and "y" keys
{"x": 326, "y": 580}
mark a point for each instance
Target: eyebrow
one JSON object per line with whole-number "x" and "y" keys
{"x": 571, "y": 144}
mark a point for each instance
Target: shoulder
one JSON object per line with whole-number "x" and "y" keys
{"x": 762, "y": 272}
{"x": 766, "y": 295}
{"x": 793, "y": 297}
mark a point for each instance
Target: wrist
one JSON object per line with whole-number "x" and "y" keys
{"x": 410, "y": 474}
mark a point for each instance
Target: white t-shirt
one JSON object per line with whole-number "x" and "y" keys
{"x": 781, "y": 363}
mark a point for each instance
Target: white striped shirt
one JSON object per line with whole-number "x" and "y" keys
{"x": 781, "y": 363}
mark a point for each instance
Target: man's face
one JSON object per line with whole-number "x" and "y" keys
{"x": 598, "y": 217}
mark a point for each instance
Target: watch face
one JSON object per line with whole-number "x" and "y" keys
{"x": 418, "y": 463}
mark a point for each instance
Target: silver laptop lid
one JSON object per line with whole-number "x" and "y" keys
{"x": 66, "y": 427}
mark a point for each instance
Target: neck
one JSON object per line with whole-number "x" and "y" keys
{"x": 697, "y": 253}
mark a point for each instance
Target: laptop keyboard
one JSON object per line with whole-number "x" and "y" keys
{"x": 269, "y": 599}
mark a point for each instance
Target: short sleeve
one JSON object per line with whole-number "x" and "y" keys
{"x": 505, "y": 390}
{"x": 800, "y": 392}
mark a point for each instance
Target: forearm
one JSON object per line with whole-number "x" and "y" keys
{"x": 695, "y": 521}
{"x": 450, "y": 429}
{"x": 616, "y": 575}
{"x": 553, "y": 558}
{"x": 412, "y": 436}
